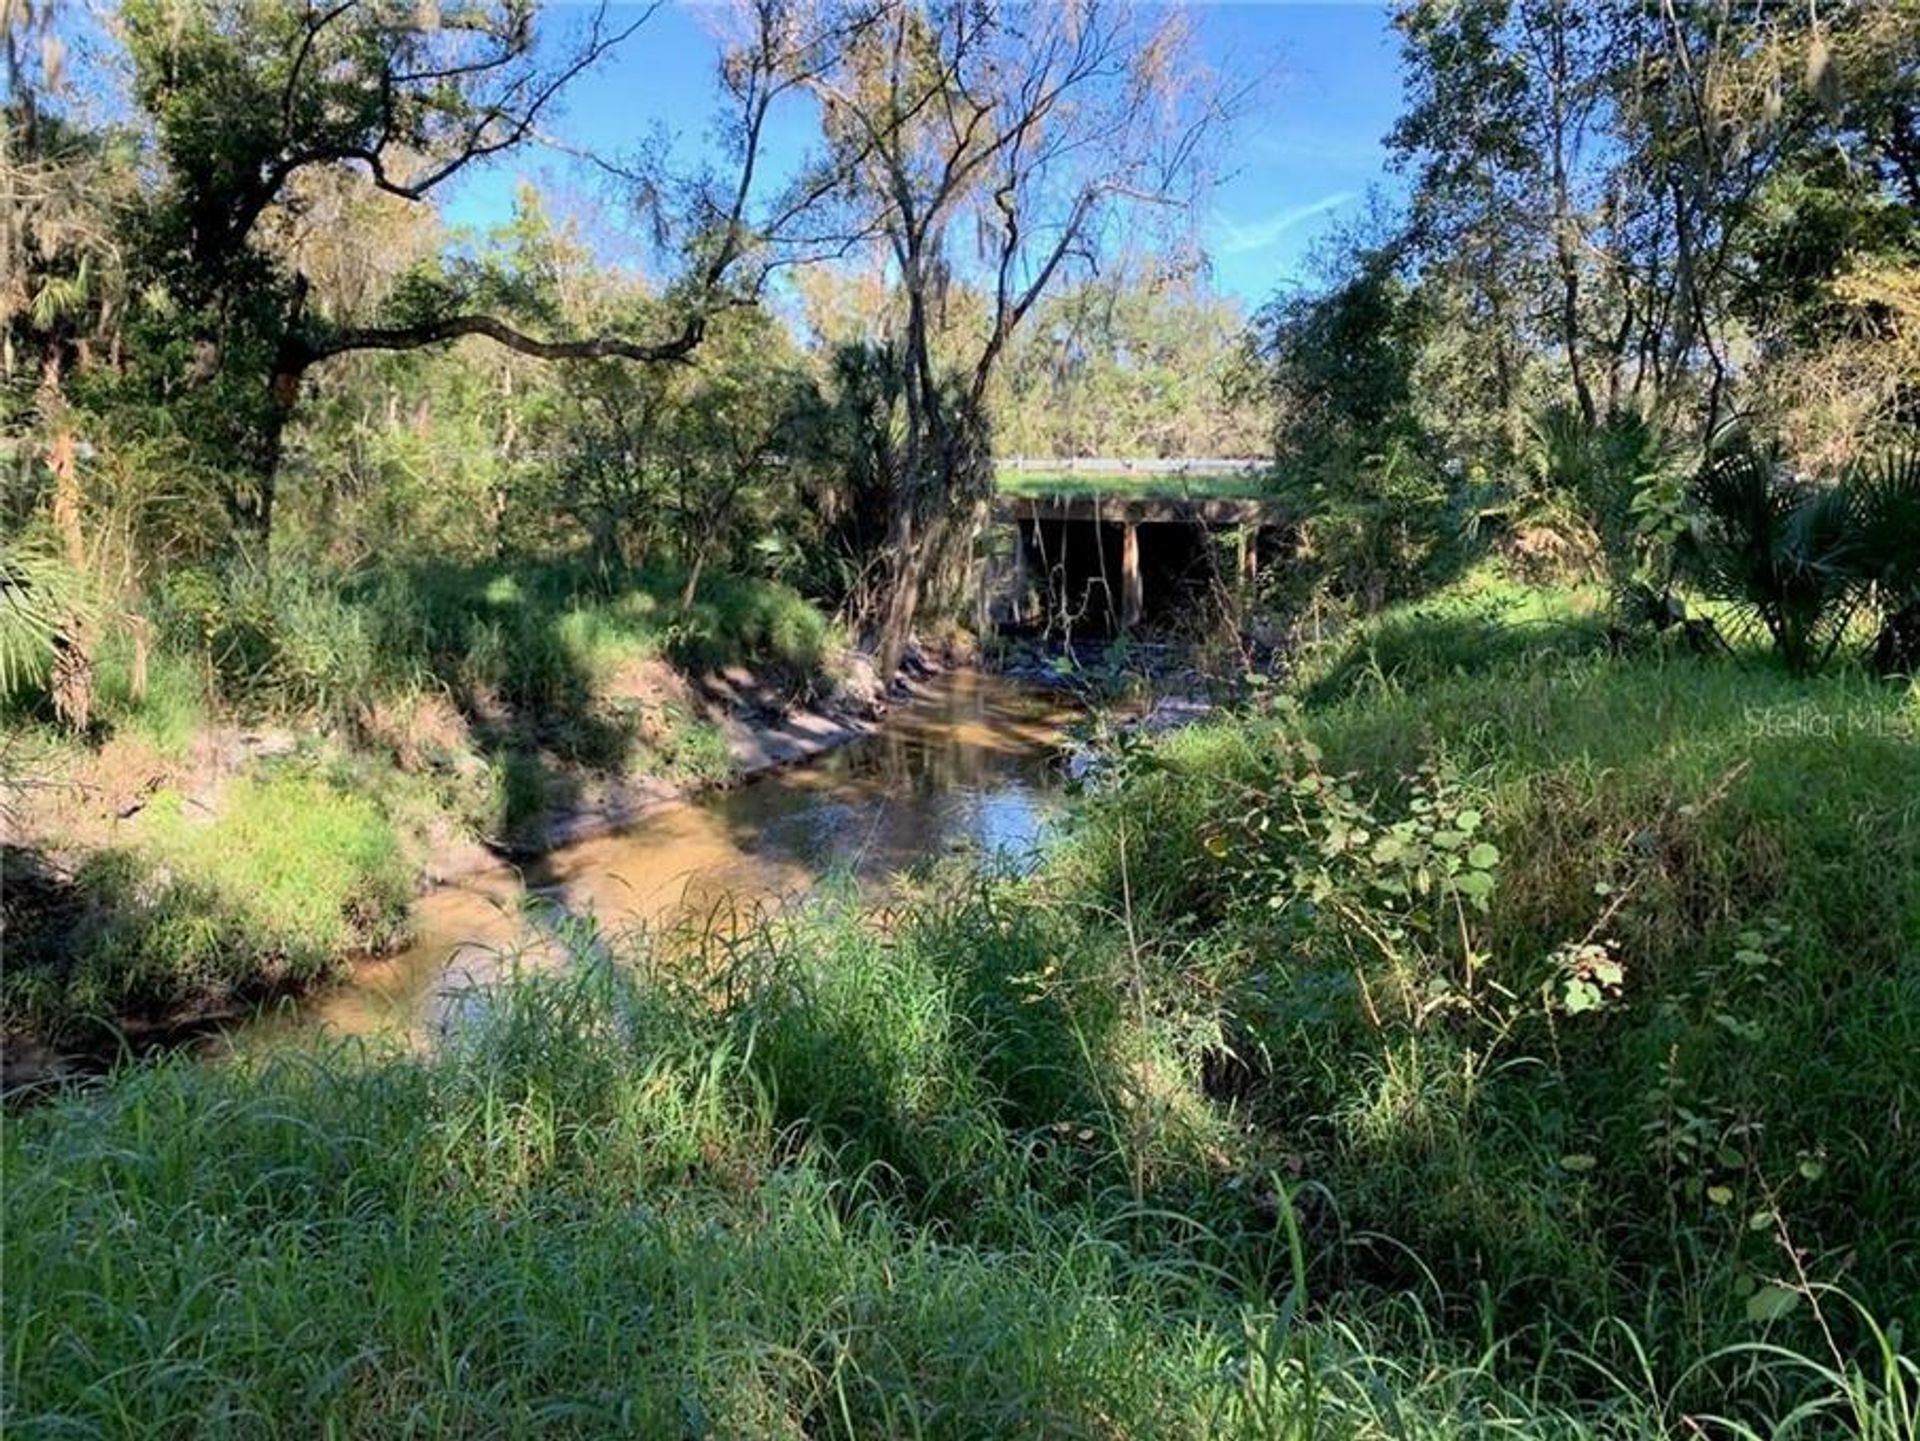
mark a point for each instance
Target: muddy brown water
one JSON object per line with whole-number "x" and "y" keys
{"x": 972, "y": 764}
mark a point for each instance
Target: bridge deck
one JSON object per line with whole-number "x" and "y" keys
{"x": 1138, "y": 510}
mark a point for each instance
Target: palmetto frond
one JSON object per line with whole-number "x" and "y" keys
{"x": 1783, "y": 551}
{"x": 1886, "y": 515}
{"x": 41, "y": 598}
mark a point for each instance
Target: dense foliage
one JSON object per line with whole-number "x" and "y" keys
{"x": 1626, "y": 225}
{"x": 1504, "y": 1042}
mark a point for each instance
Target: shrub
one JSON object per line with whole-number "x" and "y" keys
{"x": 1651, "y": 1078}
{"x": 1805, "y": 560}
{"x": 40, "y": 597}
{"x": 154, "y": 692}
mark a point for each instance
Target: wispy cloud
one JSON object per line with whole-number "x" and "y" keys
{"x": 1242, "y": 239}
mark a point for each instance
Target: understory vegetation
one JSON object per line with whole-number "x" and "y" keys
{"x": 195, "y": 914}
{"x": 403, "y": 710}
{"x": 1509, "y": 1047}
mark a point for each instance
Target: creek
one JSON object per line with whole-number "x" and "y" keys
{"x": 970, "y": 764}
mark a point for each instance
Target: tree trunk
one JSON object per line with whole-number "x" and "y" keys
{"x": 903, "y": 590}
{"x": 250, "y": 510}
{"x": 71, "y": 681}
{"x": 1570, "y": 329}
{"x": 692, "y": 587}
{"x": 1567, "y": 260}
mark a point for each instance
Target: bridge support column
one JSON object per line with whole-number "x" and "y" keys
{"x": 1132, "y": 592}
{"x": 1019, "y": 573}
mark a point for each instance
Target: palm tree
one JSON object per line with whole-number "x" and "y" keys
{"x": 1805, "y": 559}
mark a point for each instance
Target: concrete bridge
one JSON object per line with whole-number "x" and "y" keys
{"x": 1119, "y": 559}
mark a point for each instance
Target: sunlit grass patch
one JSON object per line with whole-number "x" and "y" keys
{"x": 1482, "y": 624}
{"x": 290, "y": 879}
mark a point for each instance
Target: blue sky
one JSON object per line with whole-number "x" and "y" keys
{"x": 1304, "y": 159}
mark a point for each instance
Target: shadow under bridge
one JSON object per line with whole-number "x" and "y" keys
{"x": 1111, "y": 563}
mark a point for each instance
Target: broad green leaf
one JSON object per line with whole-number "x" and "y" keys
{"x": 1770, "y": 1303}
{"x": 1580, "y": 996}
{"x": 1475, "y": 885}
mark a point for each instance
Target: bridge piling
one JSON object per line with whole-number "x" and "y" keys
{"x": 1133, "y": 593}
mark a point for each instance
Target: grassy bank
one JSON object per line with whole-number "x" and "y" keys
{"x": 832, "y": 1209}
{"x": 267, "y": 768}
{"x": 190, "y": 914}
{"x": 1590, "y": 988}
{"x": 1517, "y": 1047}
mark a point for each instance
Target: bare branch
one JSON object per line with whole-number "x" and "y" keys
{"x": 454, "y": 327}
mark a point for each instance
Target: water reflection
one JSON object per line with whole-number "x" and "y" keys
{"x": 970, "y": 764}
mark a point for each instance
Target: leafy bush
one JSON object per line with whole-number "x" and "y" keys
{"x": 1886, "y": 517}
{"x": 735, "y": 620}
{"x": 1353, "y": 460}
{"x": 1598, "y": 493}
{"x": 1380, "y": 530}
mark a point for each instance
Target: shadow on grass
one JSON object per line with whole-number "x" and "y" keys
{"x": 191, "y": 917}
{"x": 1411, "y": 646}
{"x": 532, "y": 657}
{"x": 116, "y": 956}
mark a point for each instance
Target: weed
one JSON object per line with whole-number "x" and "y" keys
{"x": 827, "y": 1205}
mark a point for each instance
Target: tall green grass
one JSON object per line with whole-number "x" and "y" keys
{"x": 1241, "y": 1116}
{"x": 1662, "y": 1076}
{"x": 156, "y": 694}
{"x": 847, "y": 1183}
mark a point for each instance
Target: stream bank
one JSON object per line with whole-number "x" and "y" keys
{"x": 950, "y": 755}
{"x": 963, "y": 762}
